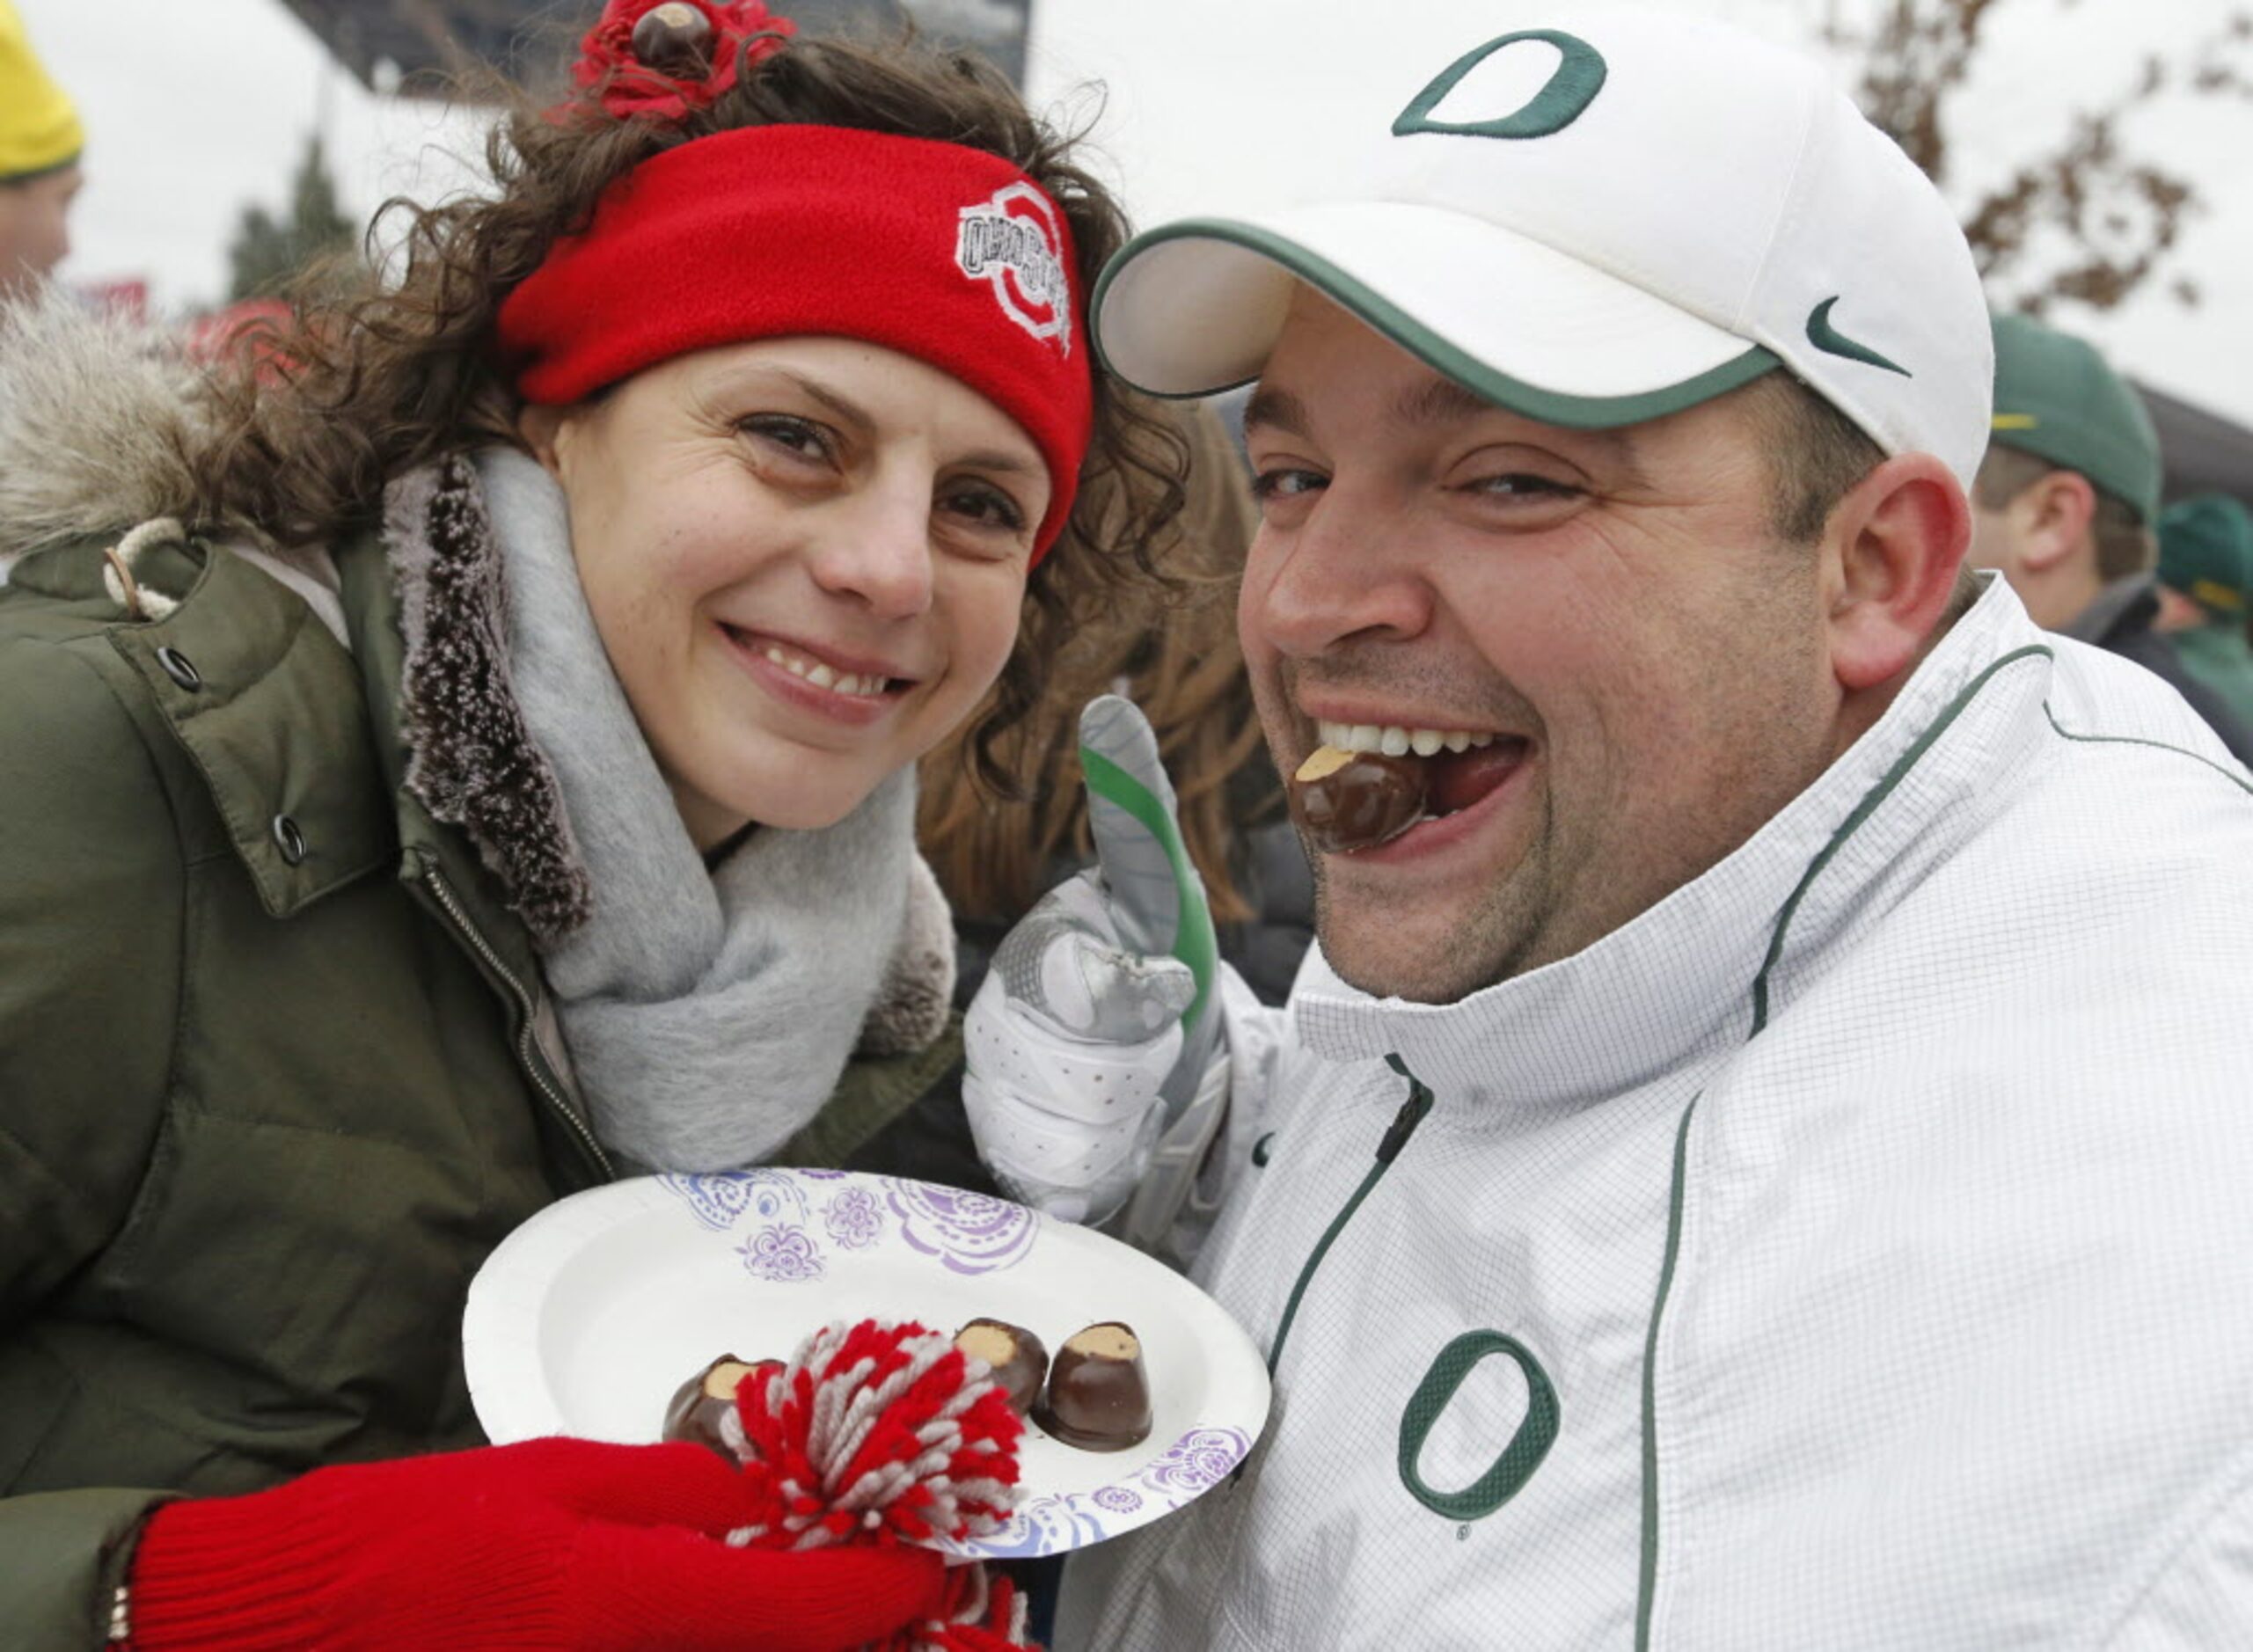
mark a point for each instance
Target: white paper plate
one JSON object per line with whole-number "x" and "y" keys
{"x": 586, "y": 1319}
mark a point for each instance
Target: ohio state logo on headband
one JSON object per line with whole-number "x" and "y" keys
{"x": 1011, "y": 242}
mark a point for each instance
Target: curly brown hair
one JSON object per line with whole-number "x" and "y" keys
{"x": 1174, "y": 653}
{"x": 372, "y": 376}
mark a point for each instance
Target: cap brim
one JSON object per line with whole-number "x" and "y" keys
{"x": 1195, "y": 307}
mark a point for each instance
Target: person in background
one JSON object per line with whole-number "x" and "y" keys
{"x": 1002, "y": 826}
{"x": 461, "y": 749}
{"x": 2206, "y": 580}
{"x": 1175, "y": 654}
{"x": 2066, "y": 501}
{"x": 40, "y": 143}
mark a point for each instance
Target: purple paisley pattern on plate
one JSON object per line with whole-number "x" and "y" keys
{"x": 855, "y": 1218}
{"x": 783, "y": 1254}
{"x": 720, "y": 1201}
{"x": 1200, "y": 1460}
{"x": 970, "y": 1233}
{"x": 1194, "y": 1463}
{"x": 1046, "y": 1525}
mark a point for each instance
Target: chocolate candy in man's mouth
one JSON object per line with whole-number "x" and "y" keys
{"x": 1345, "y": 801}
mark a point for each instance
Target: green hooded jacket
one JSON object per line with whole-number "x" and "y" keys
{"x": 276, "y": 1072}
{"x": 2219, "y": 655}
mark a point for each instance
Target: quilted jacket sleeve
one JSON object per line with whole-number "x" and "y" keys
{"x": 91, "y": 949}
{"x": 90, "y": 941}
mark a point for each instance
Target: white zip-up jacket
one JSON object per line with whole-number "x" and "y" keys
{"x": 1855, "y": 1250}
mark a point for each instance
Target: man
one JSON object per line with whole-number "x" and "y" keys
{"x": 2206, "y": 575}
{"x": 1761, "y": 1163}
{"x": 39, "y": 142}
{"x": 2066, "y": 502}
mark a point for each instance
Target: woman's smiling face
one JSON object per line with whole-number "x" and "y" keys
{"x": 806, "y": 558}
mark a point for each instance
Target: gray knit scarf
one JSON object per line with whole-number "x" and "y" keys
{"x": 709, "y": 1014}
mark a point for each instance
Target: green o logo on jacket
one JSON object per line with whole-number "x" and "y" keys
{"x": 1514, "y": 1465}
{"x": 1562, "y": 99}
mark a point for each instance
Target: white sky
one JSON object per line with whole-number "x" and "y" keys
{"x": 194, "y": 107}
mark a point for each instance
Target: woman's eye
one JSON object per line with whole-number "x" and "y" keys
{"x": 801, "y": 436}
{"x": 986, "y": 507}
{"x": 1283, "y": 482}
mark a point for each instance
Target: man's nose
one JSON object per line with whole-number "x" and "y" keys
{"x": 878, "y": 551}
{"x": 1346, "y": 570}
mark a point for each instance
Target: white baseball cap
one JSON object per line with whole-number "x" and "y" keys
{"x": 1593, "y": 215}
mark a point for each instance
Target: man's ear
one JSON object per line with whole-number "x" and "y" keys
{"x": 541, "y": 427}
{"x": 2053, "y": 517}
{"x": 1891, "y": 551}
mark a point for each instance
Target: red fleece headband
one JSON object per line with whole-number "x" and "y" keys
{"x": 946, "y": 253}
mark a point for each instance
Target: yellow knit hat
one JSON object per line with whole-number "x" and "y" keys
{"x": 39, "y": 127}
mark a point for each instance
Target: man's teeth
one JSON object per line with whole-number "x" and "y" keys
{"x": 820, "y": 677}
{"x": 1392, "y": 740}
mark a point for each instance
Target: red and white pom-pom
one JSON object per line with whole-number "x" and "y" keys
{"x": 885, "y": 1433}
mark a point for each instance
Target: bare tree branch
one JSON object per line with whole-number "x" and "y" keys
{"x": 2087, "y": 219}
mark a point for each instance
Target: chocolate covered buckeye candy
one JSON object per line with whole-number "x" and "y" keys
{"x": 1098, "y": 1394}
{"x": 1017, "y": 1359}
{"x": 1345, "y": 801}
{"x": 697, "y": 1406}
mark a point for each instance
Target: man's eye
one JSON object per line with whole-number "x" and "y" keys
{"x": 1525, "y": 484}
{"x": 1286, "y": 482}
{"x": 801, "y": 436}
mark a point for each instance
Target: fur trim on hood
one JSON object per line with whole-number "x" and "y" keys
{"x": 101, "y": 428}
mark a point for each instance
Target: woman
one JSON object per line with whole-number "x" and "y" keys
{"x": 464, "y": 754}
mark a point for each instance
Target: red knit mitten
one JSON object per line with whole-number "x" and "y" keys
{"x": 551, "y": 1543}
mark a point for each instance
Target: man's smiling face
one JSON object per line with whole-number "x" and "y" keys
{"x": 1613, "y": 607}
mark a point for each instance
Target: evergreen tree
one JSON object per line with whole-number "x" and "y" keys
{"x": 267, "y": 252}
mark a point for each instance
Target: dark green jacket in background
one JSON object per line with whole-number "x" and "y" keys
{"x": 263, "y": 1113}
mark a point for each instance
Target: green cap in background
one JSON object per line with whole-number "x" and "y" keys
{"x": 2206, "y": 552}
{"x": 2058, "y": 400}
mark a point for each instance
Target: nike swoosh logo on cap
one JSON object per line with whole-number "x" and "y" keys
{"x": 1830, "y": 342}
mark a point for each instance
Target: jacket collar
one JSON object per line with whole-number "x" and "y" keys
{"x": 1708, "y": 966}
{"x": 369, "y": 595}
{"x": 466, "y": 758}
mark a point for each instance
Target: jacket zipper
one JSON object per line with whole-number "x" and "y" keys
{"x": 527, "y": 1053}
{"x": 1388, "y": 1147}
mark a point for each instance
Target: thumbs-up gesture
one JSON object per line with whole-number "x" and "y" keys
{"x": 1093, "y": 1048}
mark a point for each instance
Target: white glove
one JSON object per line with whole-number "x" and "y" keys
{"x": 1087, "y": 1041}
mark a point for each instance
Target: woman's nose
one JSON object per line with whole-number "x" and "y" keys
{"x": 878, "y": 551}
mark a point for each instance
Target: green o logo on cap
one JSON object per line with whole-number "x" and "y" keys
{"x": 1561, "y": 101}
